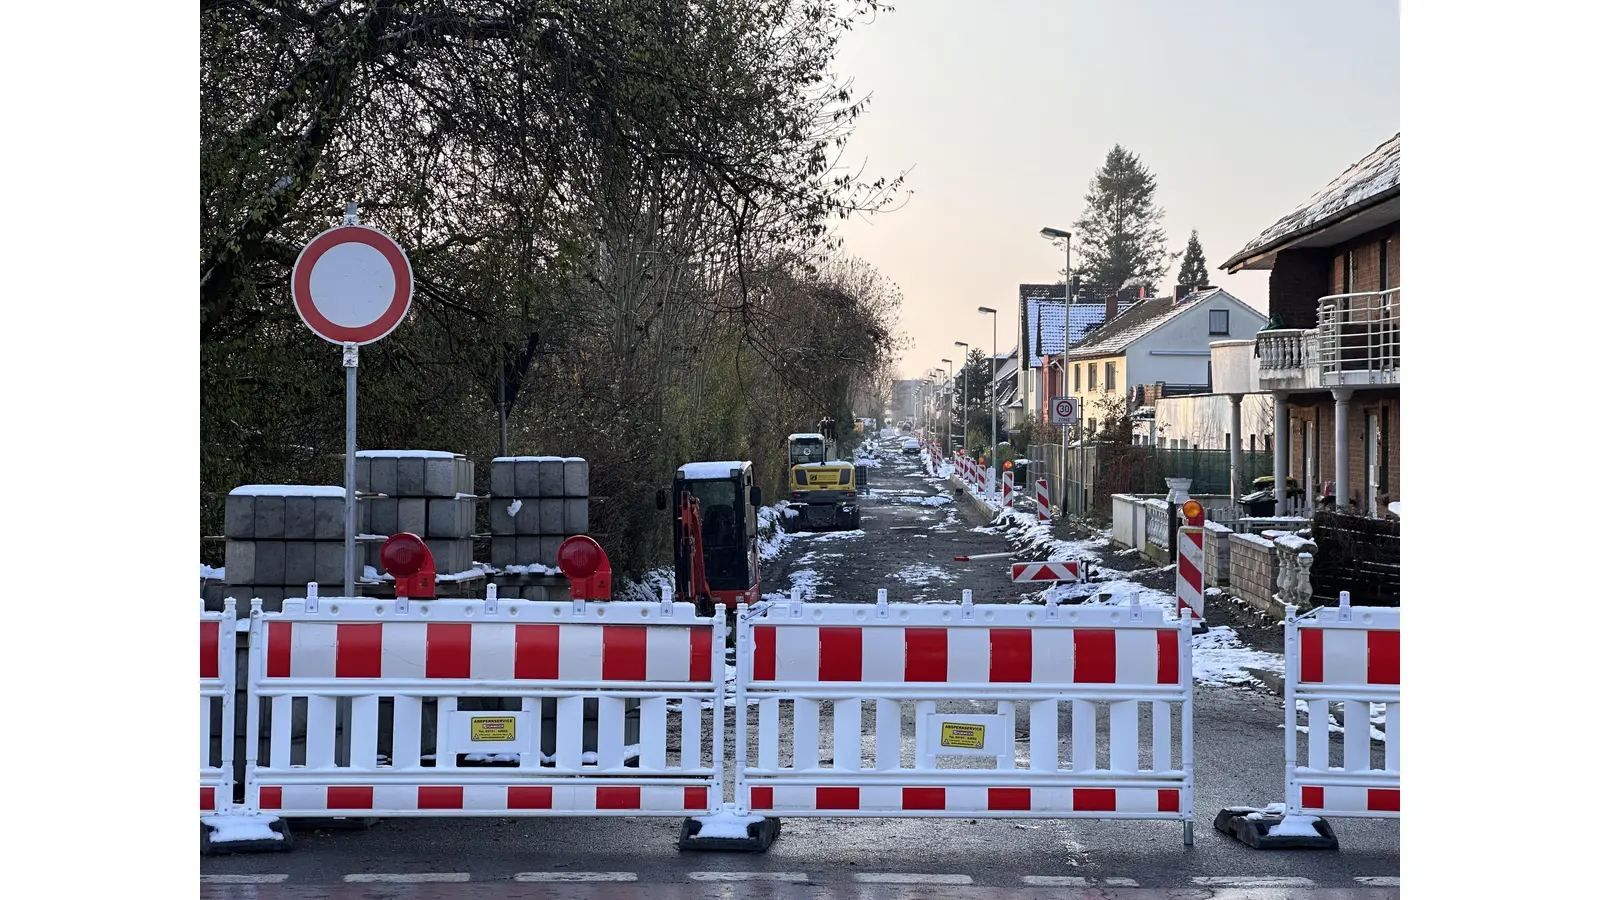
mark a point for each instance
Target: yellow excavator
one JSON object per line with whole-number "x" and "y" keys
{"x": 822, "y": 487}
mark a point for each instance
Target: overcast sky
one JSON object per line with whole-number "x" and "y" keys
{"x": 1003, "y": 109}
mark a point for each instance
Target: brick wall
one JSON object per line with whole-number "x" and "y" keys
{"x": 1367, "y": 258}
{"x": 1322, "y": 413}
{"x": 1298, "y": 279}
{"x": 1216, "y": 549}
{"x": 1252, "y": 569}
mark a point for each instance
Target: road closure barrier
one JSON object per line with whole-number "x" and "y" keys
{"x": 987, "y": 687}
{"x": 218, "y": 684}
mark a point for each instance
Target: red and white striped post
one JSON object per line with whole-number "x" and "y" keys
{"x": 1191, "y": 558}
{"x": 1042, "y": 500}
{"x": 1008, "y": 486}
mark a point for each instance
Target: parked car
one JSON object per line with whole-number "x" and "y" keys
{"x": 911, "y": 447}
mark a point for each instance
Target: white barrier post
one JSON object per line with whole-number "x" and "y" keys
{"x": 1191, "y": 558}
{"x": 1008, "y": 488}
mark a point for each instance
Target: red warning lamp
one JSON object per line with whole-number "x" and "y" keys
{"x": 408, "y": 559}
{"x": 586, "y": 567}
{"x": 1194, "y": 512}
{"x": 1007, "y": 466}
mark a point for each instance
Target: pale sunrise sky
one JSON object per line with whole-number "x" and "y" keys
{"x": 1003, "y": 109}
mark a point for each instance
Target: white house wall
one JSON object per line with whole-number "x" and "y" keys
{"x": 1188, "y": 332}
{"x": 1204, "y": 421}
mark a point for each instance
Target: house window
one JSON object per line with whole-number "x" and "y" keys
{"x": 1383, "y": 264}
{"x": 1093, "y": 371}
{"x": 1111, "y": 376}
{"x": 1219, "y": 321}
{"x": 1077, "y": 378}
{"x": 1091, "y": 421}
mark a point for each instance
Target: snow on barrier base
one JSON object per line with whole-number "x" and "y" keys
{"x": 1348, "y": 655}
{"x": 469, "y": 680}
{"x": 1096, "y": 665}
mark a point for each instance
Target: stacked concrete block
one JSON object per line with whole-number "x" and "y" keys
{"x": 279, "y": 538}
{"x": 1216, "y": 549}
{"x": 428, "y": 493}
{"x": 1253, "y": 570}
{"x": 536, "y": 502}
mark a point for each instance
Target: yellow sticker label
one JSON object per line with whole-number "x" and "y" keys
{"x": 494, "y": 728}
{"x": 965, "y": 737}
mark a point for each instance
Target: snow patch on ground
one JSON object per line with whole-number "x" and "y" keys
{"x": 770, "y": 536}
{"x": 649, "y": 589}
{"x": 936, "y": 500}
{"x": 226, "y": 829}
{"x": 820, "y": 536}
{"x": 725, "y": 825}
{"x": 920, "y": 575}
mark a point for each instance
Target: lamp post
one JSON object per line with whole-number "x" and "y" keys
{"x": 1052, "y": 235}
{"x": 966, "y": 399}
{"x": 994, "y": 393}
{"x": 950, "y": 418}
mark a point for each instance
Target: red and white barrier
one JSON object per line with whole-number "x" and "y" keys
{"x": 218, "y": 684}
{"x": 1348, "y": 655}
{"x": 829, "y": 662}
{"x": 1008, "y": 487}
{"x": 1047, "y": 571}
{"x": 1191, "y": 570}
{"x": 475, "y": 679}
{"x": 1041, "y": 499}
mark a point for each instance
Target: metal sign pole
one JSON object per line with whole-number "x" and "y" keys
{"x": 352, "y": 353}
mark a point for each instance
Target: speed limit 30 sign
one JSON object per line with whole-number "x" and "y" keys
{"x": 1063, "y": 411}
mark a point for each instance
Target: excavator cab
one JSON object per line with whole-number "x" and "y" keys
{"x": 714, "y": 508}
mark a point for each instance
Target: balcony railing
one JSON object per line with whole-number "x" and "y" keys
{"x": 1359, "y": 338}
{"x": 1288, "y": 357}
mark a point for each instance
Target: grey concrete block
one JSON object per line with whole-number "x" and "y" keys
{"x": 271, "y": 597}
{"x": 576, "y": 473}
{"x": 527, "y": 479}
{"x": 439, "y": 477}
{"x": 363, "y": 474}
{"x": 299, "y": 562}
{"x": 300, "y": 518}
{"x": 450, "y": 556}
{"x": 450, "y": 518}
{"x": 549, "y": 546}
{"x": 412, "y": 516}
{"x": 508, "y": 592}
{"x": 552, "y": 478}
{"x": 240, "y": 562}
{"x": 384, "y": 516}
{"x": 526, "y": 521}
{"x": 412, "y": 477}
{"x": 385, "y": 476}
{"x": 269, "y": 563}
{"x": 552, "y": 516}
{"x": 502, "y": 551}
{"x": 537, "y": 592}
{"x": 503, "y": 478}
{"x": 465, "y": 483}
{"x": 330, "y": 517}
{"x": 577, "y": 515}
{"x": 329, "y": 569}
{"x": 269, "y": 518}
{"x": 501, "y": 520}
{"x": 527, "y": 550}
{"x": 240, "y": 517}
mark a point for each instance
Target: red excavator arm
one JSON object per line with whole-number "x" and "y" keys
{"x": 692, "y": 543}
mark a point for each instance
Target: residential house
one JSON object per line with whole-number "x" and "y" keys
{"x": 1043, "y": 323}
{"x": 1158, "y": 340}
{"x": 1333, "y": 365}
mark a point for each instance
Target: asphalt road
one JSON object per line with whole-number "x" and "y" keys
{"x": 905, "y": 545}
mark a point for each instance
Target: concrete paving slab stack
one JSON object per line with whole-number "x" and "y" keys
{"x": 426, "y": 492}
{"x": 535, "y": 503}
{"x": 279, "y": 538}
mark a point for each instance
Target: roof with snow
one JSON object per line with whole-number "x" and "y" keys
{"x": 1046, "y": 329}
{"x": 1142, "y": 318}
{"x": 1369, "y": 184}
{"x": 806, "y": 437}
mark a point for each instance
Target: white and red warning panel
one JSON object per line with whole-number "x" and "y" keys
{"x": 352, "y": 285}
{"x": 1047, "y": 571}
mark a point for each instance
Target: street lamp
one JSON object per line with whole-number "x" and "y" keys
{"x": 994, "y": 393}
{"x": 966, "y": 399}
{"x": 1052, "y": 235}
{"x": 949, "y": 421}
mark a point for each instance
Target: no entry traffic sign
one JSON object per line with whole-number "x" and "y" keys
{"x": 1063, "y": 411}
{"x": 352, "y": 284}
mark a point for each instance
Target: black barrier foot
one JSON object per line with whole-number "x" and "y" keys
{"x": 236, "y": 837}
{"x": 1265, "y": 830}
{"x": 758, "y": 836}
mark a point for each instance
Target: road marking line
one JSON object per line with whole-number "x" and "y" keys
{"x": 1379, "y": 880}
{"x": 1075, "y": 881}
{"x": 1119, "y": 882}
{"x": 1252, "y": 881}
{"x": 554, "y": 877}
{"x": 407, "y": 877}
{"x": 749, "y": 876}
{"x": 243, "y": 879}
{"x": 898, "y": 878}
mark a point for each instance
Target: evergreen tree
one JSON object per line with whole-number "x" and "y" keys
{"x": 1120, "y": 233}
{"x": 1193, "y": 268}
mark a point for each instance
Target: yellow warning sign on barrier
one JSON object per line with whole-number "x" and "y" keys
{"x": 961, "y": 735}
{"x": 494, "y": 728}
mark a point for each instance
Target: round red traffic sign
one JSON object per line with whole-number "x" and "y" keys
{"x": 352, "y": 284}
{"x": 1065, "y": 408}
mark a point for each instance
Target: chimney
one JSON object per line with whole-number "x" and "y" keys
{"x": 1180, "y": 292}
{"x": 1114, "y": 301}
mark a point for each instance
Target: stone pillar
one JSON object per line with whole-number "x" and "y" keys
{"x": 1281, "y": 440}
{"x": 1341, "y": 446}
{"x": 1235, "y": 445}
